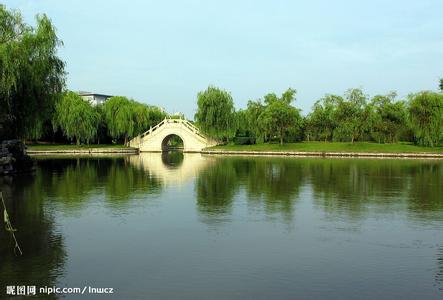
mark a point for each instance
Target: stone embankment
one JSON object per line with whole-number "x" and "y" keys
{"x": 326, "y": 154}
{"x": 85, "y": 151}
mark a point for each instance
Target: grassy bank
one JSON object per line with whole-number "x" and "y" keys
{"x": 333, "y": 147}
{"x": 52, "y": 147}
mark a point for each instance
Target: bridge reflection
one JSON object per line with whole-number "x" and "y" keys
{"x": 171, "y": 168}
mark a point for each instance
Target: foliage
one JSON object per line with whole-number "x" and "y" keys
{"x": 279, "y": 115}
{"x": 127, "y": 118}
{"x": 156, "y": 115}
{"x": 351, "y": 116}
{"x": 441, "y": 85}
{"x": 320, "y": 123}
{"x": 215, "y": 114}
{"x": 102, "y": 129}
{"x": 389, "y": 118}
{"x": 119, "y": 117}
{"x": 140, "y": 117}
{"x": 32, "y": 76}
{"x": 253, "y": 121}
{"x": 76, "y": 117}
{"x": 274, "y": 117}
{"x": 426, "y": 118}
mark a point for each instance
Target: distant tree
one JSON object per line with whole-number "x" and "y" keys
{"x": 426, "y": 118}
{"x": 215, "y": 114}
{"x": 253, "y": 120}
{"x": 32, "y": 76}
{"x": 241, "y": 121}
{"x": 102, "y": 129}
{"x": 320, "y": 123}
{"x": 177, "y": 116}
{"x": 279, "y": 115}
{"x": 119, "y": 116}
{"x": 389, "y": 119}
{"x": 140, "y": 117}
{"x": 127, "y": 118}
{"x": 156, "y": 115}
{"x": 76, "y": 117}
{"x": 351, "y": 116}
{"x": 441, "y": 85}
{"x": 244, "y": 135}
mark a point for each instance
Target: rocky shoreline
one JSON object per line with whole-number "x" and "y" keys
{"x": 13, "y": 158}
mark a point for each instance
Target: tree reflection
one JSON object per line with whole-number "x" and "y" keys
{"x": 345, "y": 187}
{"x": 216, "y": 187}
{"x": 124, "y": 181}
{"x": 43, "y": 249}
{"x": 353, "y": 186}
{"x": 70, "y": 181}
{"x": 272, "y": 181}
{"x": 426, "y": 186}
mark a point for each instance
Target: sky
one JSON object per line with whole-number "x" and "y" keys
{"x": 164, "y": 52}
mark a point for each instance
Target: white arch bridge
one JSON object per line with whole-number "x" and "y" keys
{"x": 157, "y": 138}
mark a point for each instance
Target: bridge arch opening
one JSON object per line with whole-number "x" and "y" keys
{"x": 172, "y": 142}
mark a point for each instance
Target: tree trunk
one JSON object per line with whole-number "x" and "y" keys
{"x": 126, "y": 139}
{"x": 78, "y": 140}
{"x": 352, "y": 140}
{"x": 281, "y": 136}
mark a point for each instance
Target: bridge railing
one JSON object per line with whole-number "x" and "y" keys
{"x": 151, "y": 131}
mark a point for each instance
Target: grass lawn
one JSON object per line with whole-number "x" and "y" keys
{"x": 333, "y": 147}
{"x": 44, "y": 147}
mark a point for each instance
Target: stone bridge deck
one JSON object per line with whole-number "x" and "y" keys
{"x": 156, "y": 139}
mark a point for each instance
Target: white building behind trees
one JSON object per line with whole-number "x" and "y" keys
{"x": 94, "y": 98}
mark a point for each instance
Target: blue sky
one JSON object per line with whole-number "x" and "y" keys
{"x": 165, "y": 52}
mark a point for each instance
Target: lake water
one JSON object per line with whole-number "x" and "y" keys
{"x": 187, "y": 226}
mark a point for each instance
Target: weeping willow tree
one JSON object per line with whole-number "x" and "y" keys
{"x": 32, "y": 76}
{"x": 127, "y": 118}
{"x": 215, "y": 114}
{"x": 141, "y": 117}
{"x": 426, "y": 118}
{"x": 119, "y": 117}
{"x": 76, "y": 117}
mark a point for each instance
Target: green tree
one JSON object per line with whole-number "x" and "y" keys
{"x": 426, "y": 118}
{"x": 320, "y": 122}
{"x": 389, "y": 118}
{"x": 279, "y": 115}
{"x": 254, "y": 121}
{"x": 156, "y": 115}
{"x": 441, "y": 85}
{"x": 352, "y": 116}
{"x": 32, "y": 76}
{"x": 119, "y": 117}
{"x": 215, "y": 114}
{"x": 140, "y": 117}
{"x": 102, "y": 130}
{"x": 76, "y": 117}
{"x": 128, "y": 118}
